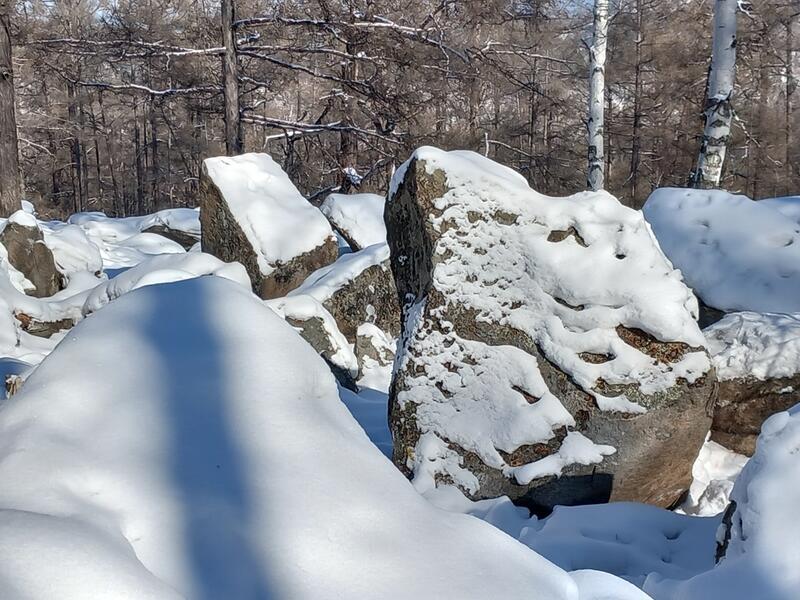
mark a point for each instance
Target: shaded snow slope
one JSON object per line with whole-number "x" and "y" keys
{"x": 735, "y": 253}
{"x": 184, "y": 442}
{"x": 789, "y": 206}
{"x": 763, "y": 346}
{"x": 276, "y": 219}
{"x": 359, "y": 217}
{"x": 763, "y": 549}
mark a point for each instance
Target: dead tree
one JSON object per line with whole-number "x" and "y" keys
{"x": 230, "y": 75}
{"x": 9, "y": 156}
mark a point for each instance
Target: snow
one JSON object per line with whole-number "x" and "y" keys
{"x": 304, "y": 308}
{"x": 738, "y": 255}
{"x": 276, "y": 219}
{"x": 323, "y": 283}
{"x": 359, "y": 216}
{"x": 184, "y": 442}
{"x": 763, "y": 550}
{"x": 789, "y": 206}
{"x": 763, "y": 346}
{"x": 568, "y": 296}
{"x": 714, "y": 473}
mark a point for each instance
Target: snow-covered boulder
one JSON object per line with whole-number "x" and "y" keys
{"x": 252, "y": 213}
{"x": 757, "y": 357}
{"x": 358, "y": 288}
{"x": 358, "y": 218}
{"x": 549, "y": 350}
{"x": 26, "y": 251}
{"x": 737, "y": 255}
{"x": 184, "y": 442}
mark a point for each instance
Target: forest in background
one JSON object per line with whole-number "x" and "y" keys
{"x": 119, "y": 102}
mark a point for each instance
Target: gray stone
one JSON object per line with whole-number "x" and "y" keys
{"x": 28, "y": 254}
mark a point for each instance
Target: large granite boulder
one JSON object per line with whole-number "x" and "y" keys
{"x": 358, "y": 288}
{"x": 757, "y": 358}
{"x": 252, "y": 213}
{"x": 27, "y": 253}
{"x": 549, "y": 351}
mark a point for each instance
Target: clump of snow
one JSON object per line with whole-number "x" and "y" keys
{"x": 763, "y": 346}
{"x": 323, "y": 283}
{"x": 569, "y": 294}
{"x": 72, "y": 249}
{"x": 714, "y": 473}
{"x": 358, "y": 216}
{"x": 735, "y": 253}
{"x": 23, "y": 218}
{"x": 276, "y": 219}
{"x": 183, "y": 442}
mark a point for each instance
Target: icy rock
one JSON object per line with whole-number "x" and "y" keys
{"x": 358, "y": 288}
{"x": 252, "y": 213}
{"x": 358, "y": 218}
{"x": 28, "y": 254}
{"x": 757, "y": 357}
{"x": 549, "y": 351}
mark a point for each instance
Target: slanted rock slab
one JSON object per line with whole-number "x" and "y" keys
{"x": 28, "y": 254}
{"x": 358, "y": 288}
{"x": 252, "y": 213}
{"x": 549, "y": 352}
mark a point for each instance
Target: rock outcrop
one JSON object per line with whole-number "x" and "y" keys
{"x": 549, "y": 352}
{"x": 28, "y": 254}
{"x": 358, "y": 288}
{"x": 186, "y": 240}
{"x": 757, "y": 358}
{"x": 251, "y": 212}
{"x": 373, "y": 348}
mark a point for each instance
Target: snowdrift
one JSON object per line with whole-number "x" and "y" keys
{"x": 735, "y": 253}
{"x": 184, "y": 442}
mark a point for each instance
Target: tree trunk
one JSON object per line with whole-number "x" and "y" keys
{"x": 10, "y": 189}
{"x": 230, "y": 70}
{"x": 719, "y": 108}
{"x": 597, "y": 90}
{"x": 787, "y": 107}
{"x": 636, "y": 135}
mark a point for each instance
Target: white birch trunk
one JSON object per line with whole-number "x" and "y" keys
{"x": 597, "y": 91}
{"x": 719, "y": 108}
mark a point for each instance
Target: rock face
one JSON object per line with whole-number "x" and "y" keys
{"x": 27, "y": 252}
{"x": 757, "y": 358}
{"x": 549, "y": 352}
{"x": 250, "y": 212}
{"x": 358, "y": 288}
